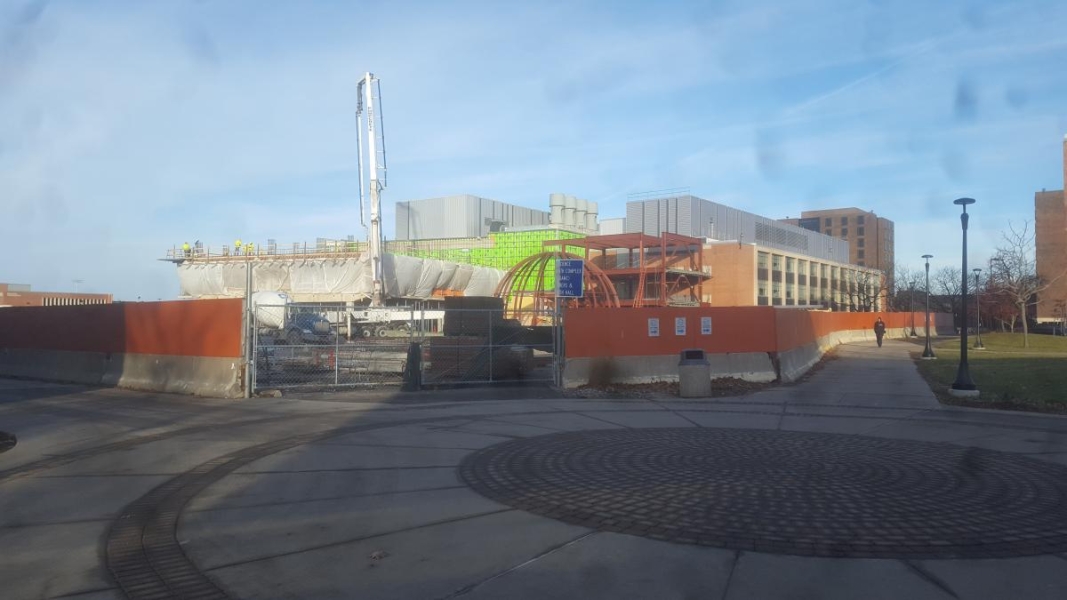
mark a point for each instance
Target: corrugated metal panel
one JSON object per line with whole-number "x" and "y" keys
{"x": 402, "y": 216}
{"x": 693, "y": 216}
{"x": 613, "y": 226}
{"x": 684, "y": 216}
{"x": 634, "y": 217}
{"x": 650, "y": 218}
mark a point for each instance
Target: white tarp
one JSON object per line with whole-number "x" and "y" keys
{"x": 350, "y": 278}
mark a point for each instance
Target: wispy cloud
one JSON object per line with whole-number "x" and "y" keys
{"x": 126, "y": 127}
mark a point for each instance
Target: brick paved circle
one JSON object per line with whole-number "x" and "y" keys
{"x": 810, "y": 494}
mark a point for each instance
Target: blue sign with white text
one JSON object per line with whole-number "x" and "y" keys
{"x": 570, "y": 278}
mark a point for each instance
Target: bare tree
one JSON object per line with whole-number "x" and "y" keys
{"x": 1014, "y": 269}
{"x": 866, "y": 290}
{"x": 907, "y": 284}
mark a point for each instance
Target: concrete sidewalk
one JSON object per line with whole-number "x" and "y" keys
{"x": 853, "y": 484}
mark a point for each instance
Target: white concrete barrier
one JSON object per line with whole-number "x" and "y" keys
{"x": 196, "y": 375}
{"x": 749, "y": 366}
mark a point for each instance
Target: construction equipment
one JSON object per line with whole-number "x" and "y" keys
{"x": 370, "y": 95}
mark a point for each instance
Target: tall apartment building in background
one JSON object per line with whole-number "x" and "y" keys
{"x": 17, "y": 294}
{"x": 870, "y": 237}
{"x": 1050, "y": 228}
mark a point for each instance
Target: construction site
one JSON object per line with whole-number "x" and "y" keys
{"x": 472, "y": 280}
{"x": 468, "y": 291}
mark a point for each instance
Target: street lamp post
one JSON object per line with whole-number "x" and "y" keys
{"x": 963, "y": 386}
{"x": 928, "y": 352}
{"x": 978, "y": 307}
{"x": 911, "y": 306}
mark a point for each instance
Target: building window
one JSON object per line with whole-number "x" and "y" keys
{"x": 776, "y": 290}
{"x": 859, "y": 220}
{"x": 859, "y": 242}
{"x": 828, "y": 221}
{"x": 762, "y": 260}
{"x": 790, "y": 265}
{"x": 860, "y": 263}
{"x": 762, "y": 290}
{"x": 860, "y": 254}
{"x": 829, "y": 232}
{"x": 844, "y": 221}
{"x": 776, "y": 262}
{"x": 844, "y": 232}
{"x": 859, "y": 231}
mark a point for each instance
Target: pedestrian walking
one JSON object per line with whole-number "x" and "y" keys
{"x": 879, "y": 330}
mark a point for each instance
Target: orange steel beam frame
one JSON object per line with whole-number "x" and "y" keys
{"x": 526, "y": 299}
{"x": 672, "y": 247}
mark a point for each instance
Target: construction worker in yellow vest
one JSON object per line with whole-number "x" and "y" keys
{"x": 250, "y": 249}
{"x": 237, "y": 247}
{"x": 186, "y": 249}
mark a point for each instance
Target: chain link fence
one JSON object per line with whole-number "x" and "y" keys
{"x": 479, "y": 346}
{"x": 323, "y": 347}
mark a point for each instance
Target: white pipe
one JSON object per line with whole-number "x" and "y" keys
{"x": 555, "y": 204}
{"x": 579, "y": 213}
{"x": 569, "y": 203}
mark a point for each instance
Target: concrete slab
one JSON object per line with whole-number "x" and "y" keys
{"x": 430, "y": 562}
{"x": 612, "y": 566}
{"x": 51, "y": 560}
{"x": 36, "y": 500}
{"x": 768, "y": 577}
{"x": 500, "y": 429}
{"x": 165, "y": 457}
{"x": 737, "y": 420}
{"x": 557, "y": 422}
{"x": 644, "y": 418}
{"x": 261, "y": 489}
{"x": 422, "y": 436}
{"x": 221, "y": 537}
{"x": 1035, "y": 578}
{"x": 323, "y": 457}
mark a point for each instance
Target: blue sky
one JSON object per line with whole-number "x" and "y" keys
{"x": 126, "y": 127}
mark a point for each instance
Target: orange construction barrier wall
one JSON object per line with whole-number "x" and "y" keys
{"x": 593, "y": 332}
{"x": 210, "y": 328}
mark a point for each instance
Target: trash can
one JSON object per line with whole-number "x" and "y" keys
{"x": 694, "y": 374}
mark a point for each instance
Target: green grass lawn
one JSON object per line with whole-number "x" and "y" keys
{"x": 1007, "y": 375}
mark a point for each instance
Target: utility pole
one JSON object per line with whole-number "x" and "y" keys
{"x": 369, "y": 92}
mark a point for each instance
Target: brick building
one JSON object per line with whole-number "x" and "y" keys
{"x": 758, "y": 261}
{"x": 870, "y": 237}
{"x": 1050, "y": 228}
{"x": 16, "y": 294}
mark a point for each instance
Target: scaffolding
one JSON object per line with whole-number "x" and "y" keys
{"x": 645, "y": 270}
{"x": 529, "y": 294}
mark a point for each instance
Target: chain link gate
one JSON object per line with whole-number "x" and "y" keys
{"x": 479, "y": 346}
{"x": 324, "y": 347}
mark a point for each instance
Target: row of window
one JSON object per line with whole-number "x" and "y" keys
{"x": 844, "y": 221}
{"x": 860, "y": 231}
{"x": 59, "y": 301}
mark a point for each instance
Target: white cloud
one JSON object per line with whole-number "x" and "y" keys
{"x": 126, "y": 128}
